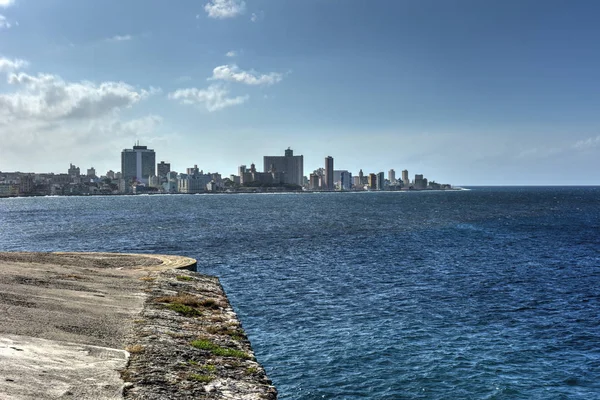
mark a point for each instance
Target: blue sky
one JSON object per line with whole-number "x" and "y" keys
{"x": 464, "y": 92}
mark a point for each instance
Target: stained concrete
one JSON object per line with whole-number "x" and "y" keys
{"x": 66, "y": 318}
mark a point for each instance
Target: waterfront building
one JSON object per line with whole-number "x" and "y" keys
{"x": 405, "y": 179}
{"x": 138, "y": 164}
{"x": 245, "y": 175}
{"x": 91, "y": 173}
{"x": 356, "y": 182}
{"x": 73, "y": 171}
{"x": 392, "y": 175}
{"x": 380, "y": 181}
{"x": 162, "y": 169}
{"x": 110, "y": 174}
{"x": 235, "y": 179}
{"x": 342, "y": 179}
{"x": 191, "y": 183}
{"x": 361, "y": 177}
{"x": 314, "y": 182}
{"x": 328, "y": 182}
{"x": 290, "y": 165}
{"x": 372, "y": 181}
{"x": 420, "y": 182}
{"x": 154, "y": 181}
{"x": 26, "y": 184}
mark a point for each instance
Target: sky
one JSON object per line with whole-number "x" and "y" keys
{"x": 467, "y": 92}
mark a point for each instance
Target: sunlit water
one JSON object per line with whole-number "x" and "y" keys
{"x": 492, "y": 293}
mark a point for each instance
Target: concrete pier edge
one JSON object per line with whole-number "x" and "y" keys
{"x": 120, "y": 325}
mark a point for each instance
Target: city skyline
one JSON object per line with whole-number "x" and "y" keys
{"x": 473, "y": 93}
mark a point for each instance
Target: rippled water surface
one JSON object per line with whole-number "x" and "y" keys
{"x": 492, "y": 293}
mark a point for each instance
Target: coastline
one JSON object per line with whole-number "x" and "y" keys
{"x": 129, "y": 324}
{"x": 454, "y": 189}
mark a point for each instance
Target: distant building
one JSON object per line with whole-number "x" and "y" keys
{"x": 380, "y": 181}
{"x": 73, "y": 171}
{"x": 420, "y": 182}
{"x": 290, "y": 165}
{"x": 26, "y": 184}
{"x": 342, "y": 179}
{"x": 328, "y": 185}
{"x": 314, "y": 182}
{"x": 91, "y": 172}
{"x": 361, "y": 177}
{"x": 372, "y": 181}
{"x": 392, "y": 175}
{"x": 154, "y": 181}
{"x": 405, "y": 179}
{"x": 162, "y": 169}
{"x": 138, "y": 164}
{"x": 193, "y": 170}
{"x": 357, "y": 183}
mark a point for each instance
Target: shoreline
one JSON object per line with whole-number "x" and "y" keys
{"x": 131, "y": 325}
{"x": 455, "y": 189}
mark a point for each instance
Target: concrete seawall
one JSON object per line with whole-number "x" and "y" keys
{"x": 114, "y": 326}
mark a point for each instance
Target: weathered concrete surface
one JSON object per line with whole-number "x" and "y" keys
{"x": 67, "y": 319}
{"x": 199, "y": 351}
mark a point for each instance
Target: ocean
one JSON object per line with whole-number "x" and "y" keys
{"x": 487, "y": 293}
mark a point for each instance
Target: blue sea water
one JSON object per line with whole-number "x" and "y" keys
{"x": 489, "y": 293}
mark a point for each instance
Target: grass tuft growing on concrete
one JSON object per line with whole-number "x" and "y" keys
{"x": 184, "y": 278}
{"x": 183, "y": 309}
{"x": 201, "y": 378}
{"x": 217, "y": 350}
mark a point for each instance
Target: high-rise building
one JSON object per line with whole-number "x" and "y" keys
{"x": 314, "y": 182}
{"x": 380, "y": 181}
{"x": 405, "y": 179}
{"x": 372, "y": 181}
{"x": 91, "y": 172}
{"x": 290, "y": 165}
{"x": 342, "y": 179}
{"x": 420, "y": 182}
{"x": 138, "y": 164}
{"x": 328, "y": 173}
{"x": 392, "y": 175}
{"x": 162, "y": 169}
{"x": 361, "y": 177}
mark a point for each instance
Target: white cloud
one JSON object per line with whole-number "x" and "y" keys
{"x": 231, "y": 53}
{"x": 588, "y": 143}
{"x": 6, "y": 3}
{"x": 49, "y": 97}
{"x": 7, "y": 65}
{"x": 232, "y": 73}
{"x": 255, "y": 17}
{"x": 4, "y": 24}
{"x": 214, "y": 98}
{"x": 221, "y": 9}
{"x": 119, "y": 38}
